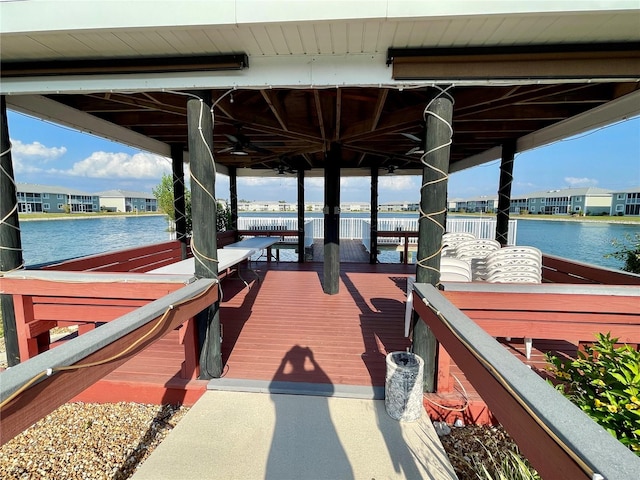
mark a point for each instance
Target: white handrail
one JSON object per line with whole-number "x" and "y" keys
{"x": 353, "y": 228}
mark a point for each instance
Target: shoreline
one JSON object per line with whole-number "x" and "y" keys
{"x": 550, "y": 218}
{"x": 88, "y": 217}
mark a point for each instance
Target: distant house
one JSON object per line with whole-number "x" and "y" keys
{"x": 399, "y": 207}
{"x": 519, "y": 204}
{"x": 626, "y": 202}
{"x": 581, "y": 201}
{"x": 34, "y": 198}
{"x": 355, "y": 207}
{"x": 481, "y": 204}
{"x": 127, "y": 201}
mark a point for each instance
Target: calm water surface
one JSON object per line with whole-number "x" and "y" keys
{"x": 47, "y": 241}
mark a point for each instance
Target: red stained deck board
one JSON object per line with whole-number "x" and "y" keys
{"x": 348, "y": 333}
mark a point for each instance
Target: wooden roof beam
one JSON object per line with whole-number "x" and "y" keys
{"x": 272, "y": 100}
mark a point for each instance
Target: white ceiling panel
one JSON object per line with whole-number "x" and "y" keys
{"x": 323, "y": 44}
{"x": 277, "y": 40}
{"x": 293, "y": 38}
{"x": 263, "y": 40}
{"x": 339, "y": 43}
{"x": 371, "y": 38}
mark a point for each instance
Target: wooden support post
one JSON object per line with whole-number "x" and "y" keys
{"x": 504, "y": 192}
{"x": 179, "y": 201}
{"x": 203, "y": 179}
{"x": 433, "y": 204}
{"x": 301, "y": 215}
{"x": 233, "y": 197}
{"x": 10, "y": 243}
{"x": 373, "y": 251}
{"x": 331, "y": 284}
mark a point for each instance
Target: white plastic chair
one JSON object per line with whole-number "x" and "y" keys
{"x": 455, "y": 270}
{"x": 515, "y": 265}
{"x": 475, "y": 252}
{"x": 452, "y": 239}
{"x": 451, "y": 270}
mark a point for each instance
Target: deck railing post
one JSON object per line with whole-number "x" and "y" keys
{"x": 433, "y": 205}
{"x": 233, "y": 197}
{"x": 179, "y": 201}
{"x": 373, "y": 251}
{"x": 301, "y": 247}
{"x": 504, "y": 192}
{"x": 10, "y": 242}
{"x": 204, "y": 243}
{"x": 332, "y": 220}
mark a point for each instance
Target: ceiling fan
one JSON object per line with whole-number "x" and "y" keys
{"x": 241, "y": 145}
{"x": 418, "y": 140}
{"x": 283, "y": 169}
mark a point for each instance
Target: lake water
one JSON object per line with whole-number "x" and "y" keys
{"x": 51, "y": 240}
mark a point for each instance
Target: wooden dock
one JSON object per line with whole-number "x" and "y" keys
{"x": 285, "y": 317}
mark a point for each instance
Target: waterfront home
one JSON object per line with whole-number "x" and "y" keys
{"x": 578, "y": 201}
{"x": 480, "y": 204}
{"x": 34, "y": 198}
{"x": 127, "y": 201}
{"x": 626, "y": 202}
{"x": 327, "y": 89}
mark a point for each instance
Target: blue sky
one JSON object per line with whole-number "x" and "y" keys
{"x": 48, "y": 154}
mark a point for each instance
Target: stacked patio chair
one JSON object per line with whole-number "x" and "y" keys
{"x": 515, "y": 265}
{"x": 475, "y": 252}
{"x": 451, "y": 240}
{"x": 451, "y": 270}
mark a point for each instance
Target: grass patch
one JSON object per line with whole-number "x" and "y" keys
{"x": 46, "y": 216}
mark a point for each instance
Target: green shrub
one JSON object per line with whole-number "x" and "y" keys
{"x": 628, "y": 250}
{"x": 604, "y": 382}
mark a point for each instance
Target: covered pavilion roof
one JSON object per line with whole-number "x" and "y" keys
{"x": 289, "y": 78}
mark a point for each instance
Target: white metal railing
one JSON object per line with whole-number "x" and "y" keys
{"x": 359, "y": 228}
{"x": 308, "y": 233}
{"x": 366, "y": 235}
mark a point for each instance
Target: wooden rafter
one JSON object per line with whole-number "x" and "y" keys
{"x": 272, "y": 100}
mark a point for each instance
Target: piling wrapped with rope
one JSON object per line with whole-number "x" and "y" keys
{"x": 403, "y": 386}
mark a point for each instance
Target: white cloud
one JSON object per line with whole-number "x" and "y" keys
{"x": 399, "y": 183}
{"x": 31, "y": 157}
{"x": 119, "y": 165}
{"x": 581, "y": 182}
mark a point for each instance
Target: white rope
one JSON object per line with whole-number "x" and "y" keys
{"x": 4, "y": 220}
{"x": 441, "y": 176}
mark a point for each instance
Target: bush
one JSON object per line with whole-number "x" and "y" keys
{"x": 604, "y": 382}
{"x": 628, "y": 250}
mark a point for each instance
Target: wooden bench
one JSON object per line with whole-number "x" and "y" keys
{"x": 137, "y": 259}
{"x": 574, "y": 313}
{"x": 44, "y": 300}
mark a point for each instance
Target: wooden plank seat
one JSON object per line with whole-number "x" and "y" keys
{"x": 44, "y": 300}
{"x": 137, "y": 259}
{"x": 227, "y": 258}
{"x": 574, "y": 313}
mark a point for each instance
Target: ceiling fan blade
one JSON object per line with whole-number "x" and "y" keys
{"x": 232, "y": 138}
{"x": 411, "y": 136}
{"x": 225, "y": 150}
{"x": 257, "y": 148}
{"x": 415, "y": 151}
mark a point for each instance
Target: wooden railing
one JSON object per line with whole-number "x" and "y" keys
{"x": 575, "y": 314}
{"x": 558, "y": 439}
{"x": 32, "y": 389}
{"x": 45, "y": 299}
{"x": 137, "y": 259}
{"x": 562, "y": 270}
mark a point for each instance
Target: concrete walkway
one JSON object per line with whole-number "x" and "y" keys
{"x": 242, "y": 435}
